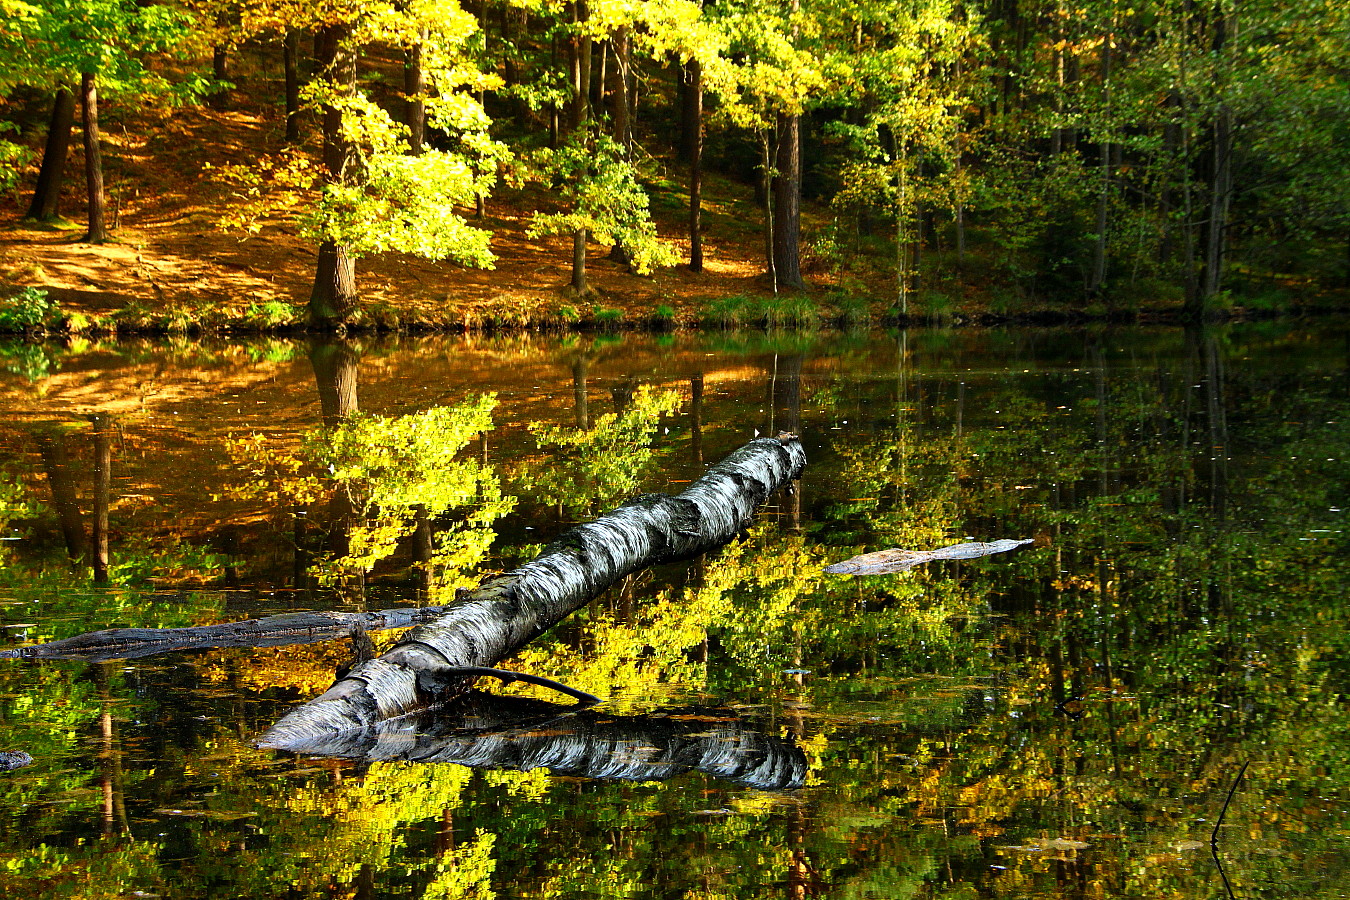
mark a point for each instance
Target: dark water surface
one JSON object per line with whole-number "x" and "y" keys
{"x": 1063, "y": 720}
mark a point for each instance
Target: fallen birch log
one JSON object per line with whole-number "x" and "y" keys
{"x": 505, "y": 613}
{"x": 484, "y": 731}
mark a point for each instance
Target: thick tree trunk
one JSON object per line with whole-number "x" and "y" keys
{"x": 334, "y": 293}
{"x": 290, "y": 51}
{"x": 489, "y": 732}
{"x": 93, "y": 161}
{"x": 787, "y": 201}
{"x": 505, "y": 613}
{"x": 47, "y": 193}
{"x": 333, "y": 296}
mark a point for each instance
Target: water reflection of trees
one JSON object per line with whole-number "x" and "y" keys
{"x": 1179, "y": 616}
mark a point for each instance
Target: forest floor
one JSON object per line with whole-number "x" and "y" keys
{"x": 170, "y": 265}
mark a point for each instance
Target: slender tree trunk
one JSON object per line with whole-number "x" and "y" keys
{"x": 47, "y": 194}
{"x": 506, "y": 612}
{"x": 102, "y": 496}
{"x": 93, "y": 161}
{"x": 334, "y": 293}
{"x": 414, "y": 87}
{"x": 696, "y": 417}
{"x": 290, "y": 46}
{"x": 1097, "y": 281}
{"x": 766, "y": 187}
{"x": 1220, "y": 198}
{"x": 787, "y": 199}
{"x": 581, "y": 80}
{"x": 695, "y": 70}
{"x": 691, "y": 111}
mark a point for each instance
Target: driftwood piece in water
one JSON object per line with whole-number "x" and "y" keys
{"x": 491, "y": 732}
{"x": 505, "y": 613}
{"x": 270, "y": 631}
{"x": 885, "y": 561}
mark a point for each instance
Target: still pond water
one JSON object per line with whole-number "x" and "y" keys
{"x": 1063, "y": 720}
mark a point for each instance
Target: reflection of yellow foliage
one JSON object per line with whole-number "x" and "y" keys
{"x": 395, "y": 472}
{"x": 600, "y": 465}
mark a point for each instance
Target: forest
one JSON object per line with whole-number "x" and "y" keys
{"x": 618, "y": 162}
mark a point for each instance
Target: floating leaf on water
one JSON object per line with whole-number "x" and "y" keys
{"x": 1062, "y": 844}
{"x": 896, "y": 560}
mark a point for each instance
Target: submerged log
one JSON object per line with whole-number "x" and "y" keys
{"x": 270, "y": 631}
{"x": 505, "y": 613}
{"x": 489, "y": 732}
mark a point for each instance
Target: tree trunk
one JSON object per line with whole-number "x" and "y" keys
{"x": 623, "y": 127}
{"x": 93, "y": 161}
{"x": 290, "y": 47}
{"x": 220, "y": 72}
{"x": 1220, "y": 197}
{"x": 102, "y": 496}
{"x": 505, "y": 613}
{"x": 491, "y": 732}
{"x": 1097, "y": 281}
{"x": 333, "y": 296}
{"x": 334, "y": 293}
{"x": 787, "y": 200}
{"x": 47, "y": 193}
{"x": 696, "y": 169}
{"x": 691, "y": 110}
{"x": 414, "y": 85}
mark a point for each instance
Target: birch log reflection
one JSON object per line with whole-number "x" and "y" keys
{"x": 487, "y": 624}
{"x": 490, "y": 732}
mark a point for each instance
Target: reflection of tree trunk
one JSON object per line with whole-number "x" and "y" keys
{"x": 102, "y": 495}
{"x": 46, "y": 196}
{"x": 579, "y": 367}
{"x": 505, "y": 613}
{"x": 696, "y": 416}
{"x": 56, "y": 463}
{"x": 492, "y": 732}
{"x": 423, "y": 548}
{"x": 1217, "y": 416}
{"x": 335, "y": 372}
{"x": 110, "y": 759}
{"x": 622, "y": 394}
{"x": 336, "y": 365}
